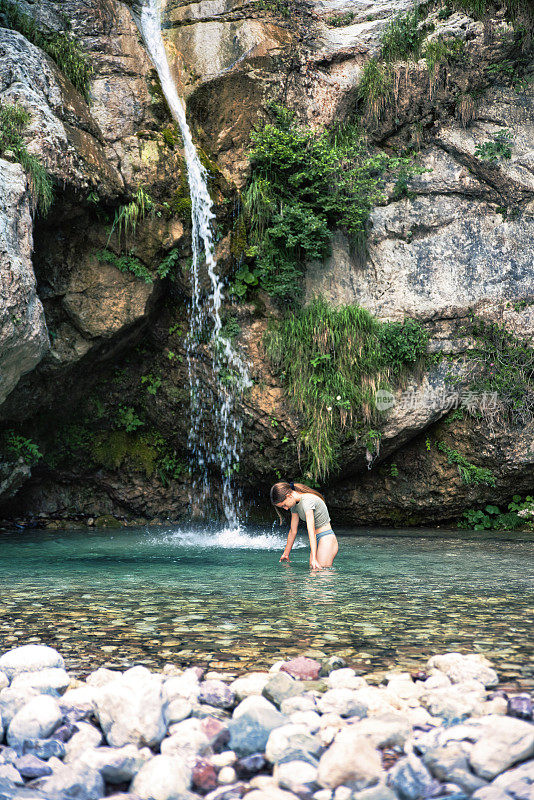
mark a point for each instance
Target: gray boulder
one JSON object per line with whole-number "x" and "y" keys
{"x": 410, "y": 779}
{"x": 250, "y": 731}
{"x": 23, "y": 333}
{"x": 291, "y": 738}
{"x": 280, "y": 686}
{"x": 116, "y": 764}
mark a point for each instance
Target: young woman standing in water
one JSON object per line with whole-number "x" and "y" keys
{"x": 309, "y": 506}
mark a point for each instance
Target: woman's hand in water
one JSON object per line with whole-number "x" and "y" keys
{"x": 284, "y": 557}
{"x": 314, "y": 564}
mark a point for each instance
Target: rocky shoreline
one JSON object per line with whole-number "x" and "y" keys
{"x": 309, "y": 729}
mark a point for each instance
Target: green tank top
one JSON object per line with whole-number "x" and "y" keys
{"x": 312, "y": 502}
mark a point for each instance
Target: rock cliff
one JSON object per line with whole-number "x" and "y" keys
{"x": 92, "y": 358}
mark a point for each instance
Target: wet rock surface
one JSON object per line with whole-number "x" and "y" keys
{"x": 368, "y": 756}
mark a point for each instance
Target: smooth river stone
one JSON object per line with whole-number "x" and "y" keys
{"x": 29, "y": 658}
{"x": 30, "y": 766}
{"x": 75, "y": 782}
{"x": 520, "y": 706}
{"x": 216, "y": 693}
{"x": 302, "y": 668}
{"x": 38, "y": 719}
{"x": 130, "y": 709}
{"x": 52, "y": 681}
{"x": 350, "y": 761}
{"x": 12, "y": 700}
{"x": 280, "y": 686}
{"x": 250, "y": 731}
{"x": 411, "y": 779}
{"x": 299, "y": 777}
{"x": 162, "y": 778}
{"x": 506, "y": 742}
{"x": 251, "y": 684}
{"x": 116, "y": 764}
{"x": 86, "y": 737}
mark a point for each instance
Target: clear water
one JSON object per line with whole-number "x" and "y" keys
{"x": 221, "y": 598}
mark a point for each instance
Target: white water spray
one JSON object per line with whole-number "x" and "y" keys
{"x": 229, "y": 370}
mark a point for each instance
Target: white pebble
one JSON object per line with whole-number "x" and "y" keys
{"x": 224, "y": 759}
{"x": 227, "y": 775}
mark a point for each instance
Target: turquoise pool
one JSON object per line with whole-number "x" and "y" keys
{"x": 220, "y": 598}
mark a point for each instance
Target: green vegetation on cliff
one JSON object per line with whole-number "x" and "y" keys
{"x": 519, "y": 514}
{"x": 332, "y": 361}
{"x": 14, "y": 446}
{"x": 59, "y": 45}
{"x": 502, "y": 363}
{"x": 13, "y": 120}
{"x": 304, "y": 185}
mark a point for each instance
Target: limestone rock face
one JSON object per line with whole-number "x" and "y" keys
{"x": 23, "y": 332}
{"x": 61, "y": 132}
{"x": 450, "y": 246}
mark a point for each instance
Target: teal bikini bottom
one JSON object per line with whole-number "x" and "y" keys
{"x": 324, "y": 533}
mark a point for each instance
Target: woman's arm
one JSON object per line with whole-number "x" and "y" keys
{"x": 290, "y": 537}
{"x": 310, "y": 522}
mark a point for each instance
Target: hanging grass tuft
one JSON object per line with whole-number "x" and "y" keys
{"x": 13, "y": 120}
{"x": 332, "y": 362}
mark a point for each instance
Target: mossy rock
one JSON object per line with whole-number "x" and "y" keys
{"x": 238, "y": 241}
{"x": 107, "y": 521}
{"x": 112, "y": 450}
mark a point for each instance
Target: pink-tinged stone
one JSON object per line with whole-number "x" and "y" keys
{"x": 302, "y": 668}
{"x": 204, "y": 776}
{"x": 216, "y": 731}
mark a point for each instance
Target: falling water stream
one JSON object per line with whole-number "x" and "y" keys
{"x": 211, "y": 410}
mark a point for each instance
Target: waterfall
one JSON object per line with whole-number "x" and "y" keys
{"x": 229, "y": 371}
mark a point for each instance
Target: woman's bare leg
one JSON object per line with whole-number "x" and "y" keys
{"x": 327, "y": 548}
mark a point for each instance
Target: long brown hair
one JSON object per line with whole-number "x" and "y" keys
{"x": 280, "y": 491}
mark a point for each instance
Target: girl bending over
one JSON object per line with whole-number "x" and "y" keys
{"x": 309, "y": 506}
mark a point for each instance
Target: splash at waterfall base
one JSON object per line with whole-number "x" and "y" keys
{"x": 310, "y": 727}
